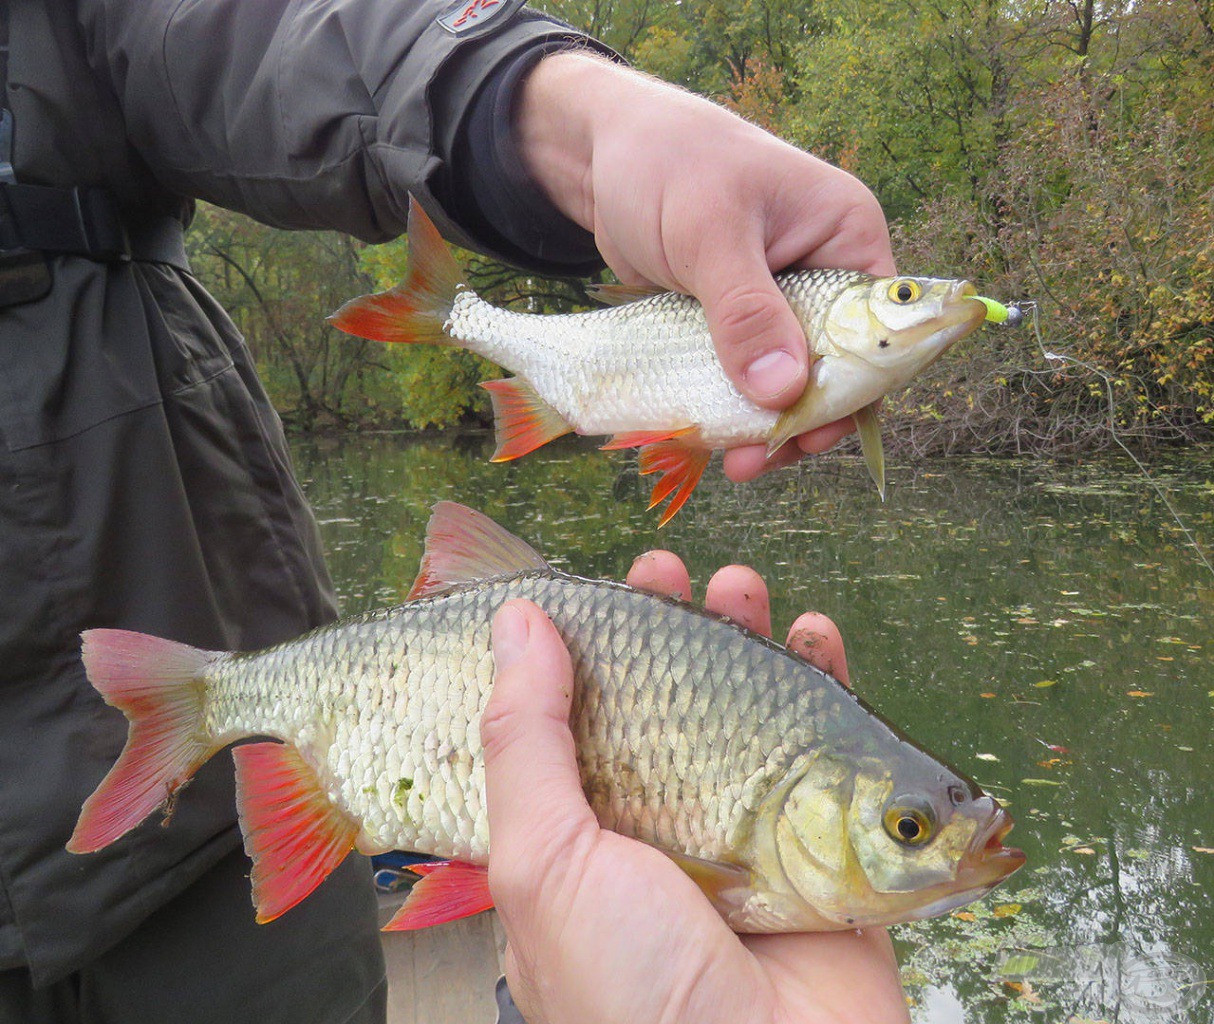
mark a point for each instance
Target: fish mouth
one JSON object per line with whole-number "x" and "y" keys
{"x": 961, "y": 313}
{"x": 988, "y": 862}
{"x": 963, "y": 309}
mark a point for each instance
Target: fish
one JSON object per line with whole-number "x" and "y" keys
{"x": 789, "y": 801}
{"x": 643, "y": 370}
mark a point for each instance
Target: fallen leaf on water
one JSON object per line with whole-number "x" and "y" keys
{"x": 1040, "y": 782}
{"x": 963, "y": 915}
{"x": 986, "y": 757}
{"x": 991, "y": 694}
{"x": 1046, "y": 682}
{"x": 1053, "y": 762}
{"x": 1140, "y": 693}
{"x": 1204, "y": 849}
{"x": 1085, "y": 850}
{"x": 1007, "y": 910}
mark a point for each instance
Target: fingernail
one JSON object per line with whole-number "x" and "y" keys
{"x": 511, "y": 632}
{"x": 771, "y": 373}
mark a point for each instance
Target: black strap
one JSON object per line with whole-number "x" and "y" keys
{"x": 80, "y": 221}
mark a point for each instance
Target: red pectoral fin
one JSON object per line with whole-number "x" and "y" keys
{"x": 681, "y": 465}
{"x": 293, "y": 832}
{"x": 447, "y": 891}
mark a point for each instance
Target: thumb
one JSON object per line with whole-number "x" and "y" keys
{"x": 757, "y": 337}
{"x": 533, "y": 792}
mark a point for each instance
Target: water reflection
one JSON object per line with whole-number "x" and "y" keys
{"x": 1045, "y": 629}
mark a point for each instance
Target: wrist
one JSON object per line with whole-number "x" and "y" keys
{"x": 561, "y": 104}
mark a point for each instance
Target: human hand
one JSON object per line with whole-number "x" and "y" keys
{"x": 601, "y": 927}
{"x": 681, "y": 193}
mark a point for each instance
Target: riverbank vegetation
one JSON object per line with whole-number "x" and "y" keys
{"x": 1060, "y": 153}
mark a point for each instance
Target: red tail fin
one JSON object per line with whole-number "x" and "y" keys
{"x": 158, "y": 685}
{"x": 416, "y": 309}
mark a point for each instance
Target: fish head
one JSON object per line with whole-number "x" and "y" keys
{"x": 900, "y": 325}
{"x": 882, "y": 843}
{"x": 871, "y": 338}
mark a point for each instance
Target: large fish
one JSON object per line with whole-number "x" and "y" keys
{"x": 646, "y": 372}
{"x": 791, "y": 803}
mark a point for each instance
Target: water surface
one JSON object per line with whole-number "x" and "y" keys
{"x": 1046, "y": 629}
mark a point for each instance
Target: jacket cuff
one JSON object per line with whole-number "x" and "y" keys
{"x": 477, "y": 189}
{"x": 493, "y": 196}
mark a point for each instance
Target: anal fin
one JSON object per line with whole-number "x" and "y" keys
{"x": 522, "y": 420}
{"x": 681, "y": 463}
{"x": 641, "y": 438}
{"x": 293, "y": 832}
{"x": 447, "y": 891}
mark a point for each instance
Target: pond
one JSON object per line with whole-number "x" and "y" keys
{"x": 1047, "y": 629}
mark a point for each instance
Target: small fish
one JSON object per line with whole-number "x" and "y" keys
{"x": 646, "y": 372}
{"x": 788, "y": 801}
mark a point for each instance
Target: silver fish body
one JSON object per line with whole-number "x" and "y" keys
{"x": 646, "y": 373}
{"x": 773, "y": 785}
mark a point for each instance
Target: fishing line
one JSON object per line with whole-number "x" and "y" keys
{"x": 1016, "y": 315}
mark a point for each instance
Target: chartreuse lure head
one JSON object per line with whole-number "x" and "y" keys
{"x": 998, "y": 313}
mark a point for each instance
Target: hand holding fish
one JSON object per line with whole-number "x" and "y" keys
{"x": 681, "y": 193}
{"x": 604, "y": 928}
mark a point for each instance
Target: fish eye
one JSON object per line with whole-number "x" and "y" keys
{"x": 904, "y": 292}
{"x": 910, "y": 821}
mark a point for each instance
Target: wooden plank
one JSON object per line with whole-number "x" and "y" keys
{"x": 445, "y": 974}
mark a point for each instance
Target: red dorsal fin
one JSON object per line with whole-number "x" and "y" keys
{"x": 293, "y": 833}
{"x": 681, "y": 464}
{"x": 463, "y": 546}
{"x": 522, "y": 420}
{"x": 447, "y": 891}
{"x": 158, "y": 684}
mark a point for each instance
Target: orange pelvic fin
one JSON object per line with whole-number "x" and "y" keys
{"x": 447, "y": 891}
{"x": 293, "y": 832}
{"x": 522, "y": 420}
{"x": 681, "y": 464}
{"x": 463, "y": 546}
{"x": 416, "y": 309}
{"x": 158, "y": 685}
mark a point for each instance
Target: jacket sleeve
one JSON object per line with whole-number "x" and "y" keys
{"x": 309, "y": 113}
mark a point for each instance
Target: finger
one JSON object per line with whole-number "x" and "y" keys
{"x": 661, "y": 572}
{"x": 817, "y": 639}
{"x": 814, "y": 442}
{"x": 531, "y": 776}
{"x": 757, "y": 337}
{"x": 750, "y": 461}
{"x": 739, "y": 592}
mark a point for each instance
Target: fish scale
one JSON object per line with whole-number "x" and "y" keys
{"x": 420, "y": 674}
{"x": 640, "y": 366}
